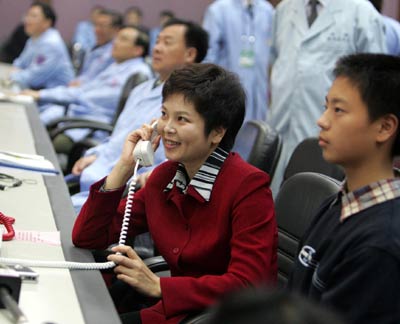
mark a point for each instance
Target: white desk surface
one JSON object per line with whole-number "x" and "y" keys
{"x": 5, "y": 68}
{"x": 53, "y": 299}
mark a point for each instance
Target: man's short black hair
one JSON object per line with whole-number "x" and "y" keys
{"x": 195, "y": 36}
{"x": 134, "y": 9}
{"x": 377, "y": 78}
{"x": 47, "y": 11}
{"x": 216, "y": 94}
{"x": 141, "y": 40}
{"x": 116, "y": 17}
{"x": 167, "y": 13}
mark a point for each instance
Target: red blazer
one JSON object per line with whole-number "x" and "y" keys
{"x": 211, "y": 247}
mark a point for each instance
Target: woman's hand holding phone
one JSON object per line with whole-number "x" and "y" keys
{"x": 124, "y": 168}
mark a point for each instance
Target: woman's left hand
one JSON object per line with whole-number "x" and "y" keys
{"x": 132, "y": 270}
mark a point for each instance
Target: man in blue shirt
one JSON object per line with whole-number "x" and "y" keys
{"x": 84, "y": 34}
{"x": 97, "y": 99}
{"x": 240, "y": 32}
{"x": 392, "y": 30}
{"x": 107, "y": 23}
{"x": 44, "y": 62}
{"x": 180, "y": 42}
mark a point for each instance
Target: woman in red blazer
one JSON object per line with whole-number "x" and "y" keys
{"x": 210, "y": 214}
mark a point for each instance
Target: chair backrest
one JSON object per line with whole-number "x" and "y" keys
{"x": 307, "y": 157}
{"x": 259, "y": 144}
{"x": 296, "y": 204}
{"x": 130, "y": 83}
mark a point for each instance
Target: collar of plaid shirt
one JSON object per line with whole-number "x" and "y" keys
{"x": 368, "y": 196}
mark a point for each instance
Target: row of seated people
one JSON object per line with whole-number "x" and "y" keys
{"x": 84, "y": 38}
{"x": 212, "y": 216}
{"x": 94, "y": 94}
{"x": 44, "y": 61}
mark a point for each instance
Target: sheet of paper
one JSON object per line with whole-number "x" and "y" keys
{"x": 28, "y": 162}
{"x": 52, "y": 238}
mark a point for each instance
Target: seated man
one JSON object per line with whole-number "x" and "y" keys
{"x": 98, "y": 99}
{"x": 210, "y": 213}
{"x": 349, "y": 258}
{"x": 133, "y": 16}
{"x": 107, "y": 23}
{"x": 179, "y": 42}
{"x": 84, "y": 34}
{"x": 44, "y": 62}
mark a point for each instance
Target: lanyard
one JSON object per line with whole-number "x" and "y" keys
{"x": 248, "y": 26}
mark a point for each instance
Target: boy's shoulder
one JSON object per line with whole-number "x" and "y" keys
{"x": 377, "y": 227}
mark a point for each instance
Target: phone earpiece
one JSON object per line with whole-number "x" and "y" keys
{"x": 143, "y": 151}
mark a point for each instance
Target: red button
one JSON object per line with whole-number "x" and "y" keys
{"x": 175, "y": 250}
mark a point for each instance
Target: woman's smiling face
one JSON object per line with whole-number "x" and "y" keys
{"x": 182, "y": 131}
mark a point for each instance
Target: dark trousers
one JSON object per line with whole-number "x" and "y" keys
{"x": 128, "y": 302}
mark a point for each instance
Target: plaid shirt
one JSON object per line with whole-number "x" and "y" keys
{"x": 368, "y": 196}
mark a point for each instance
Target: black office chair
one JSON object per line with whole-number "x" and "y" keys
{"x": 59, "y": 126}
{"x": 307, "y": 157}
{"x": 296, "y": 203}
{"x": 259, "y": 144}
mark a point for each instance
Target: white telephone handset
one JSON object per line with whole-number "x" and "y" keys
{"x": 143, "y": 151}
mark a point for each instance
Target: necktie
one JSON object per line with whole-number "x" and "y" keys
{"x": 157, "y": 83}
{"x": 250, "y": 9}
{"x": 313, "y": 13}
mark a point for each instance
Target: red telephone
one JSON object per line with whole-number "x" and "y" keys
{"x": 7, "y": 221}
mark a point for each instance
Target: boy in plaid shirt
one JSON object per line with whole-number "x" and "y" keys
{"x": 349, "y": 258}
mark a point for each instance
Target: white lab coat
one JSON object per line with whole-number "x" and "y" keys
{"x": 304, "y": 59}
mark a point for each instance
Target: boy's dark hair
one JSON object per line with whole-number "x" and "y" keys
{"x": 377, "y": 78}
{"x": 47, "y": 11}
{"x": 195, "y": 36}
{"x": 116, "y": 17}
{"x": 259, "y": 306}
{"x": 216, "y": 94}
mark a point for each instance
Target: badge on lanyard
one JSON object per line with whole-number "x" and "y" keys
{"x": 247, "y": 56}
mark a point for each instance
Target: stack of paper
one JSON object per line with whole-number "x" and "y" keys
{"x": 30, "y": 162}
{"x": 17, "y": 98}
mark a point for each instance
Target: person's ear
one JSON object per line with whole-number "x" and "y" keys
{"x": 48, "y": 23}
{"x": 217, "y": 134}
{"x": 388, "y": 127}
{"x": 138, "y": 51}
{"x": 191, "y": 54}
